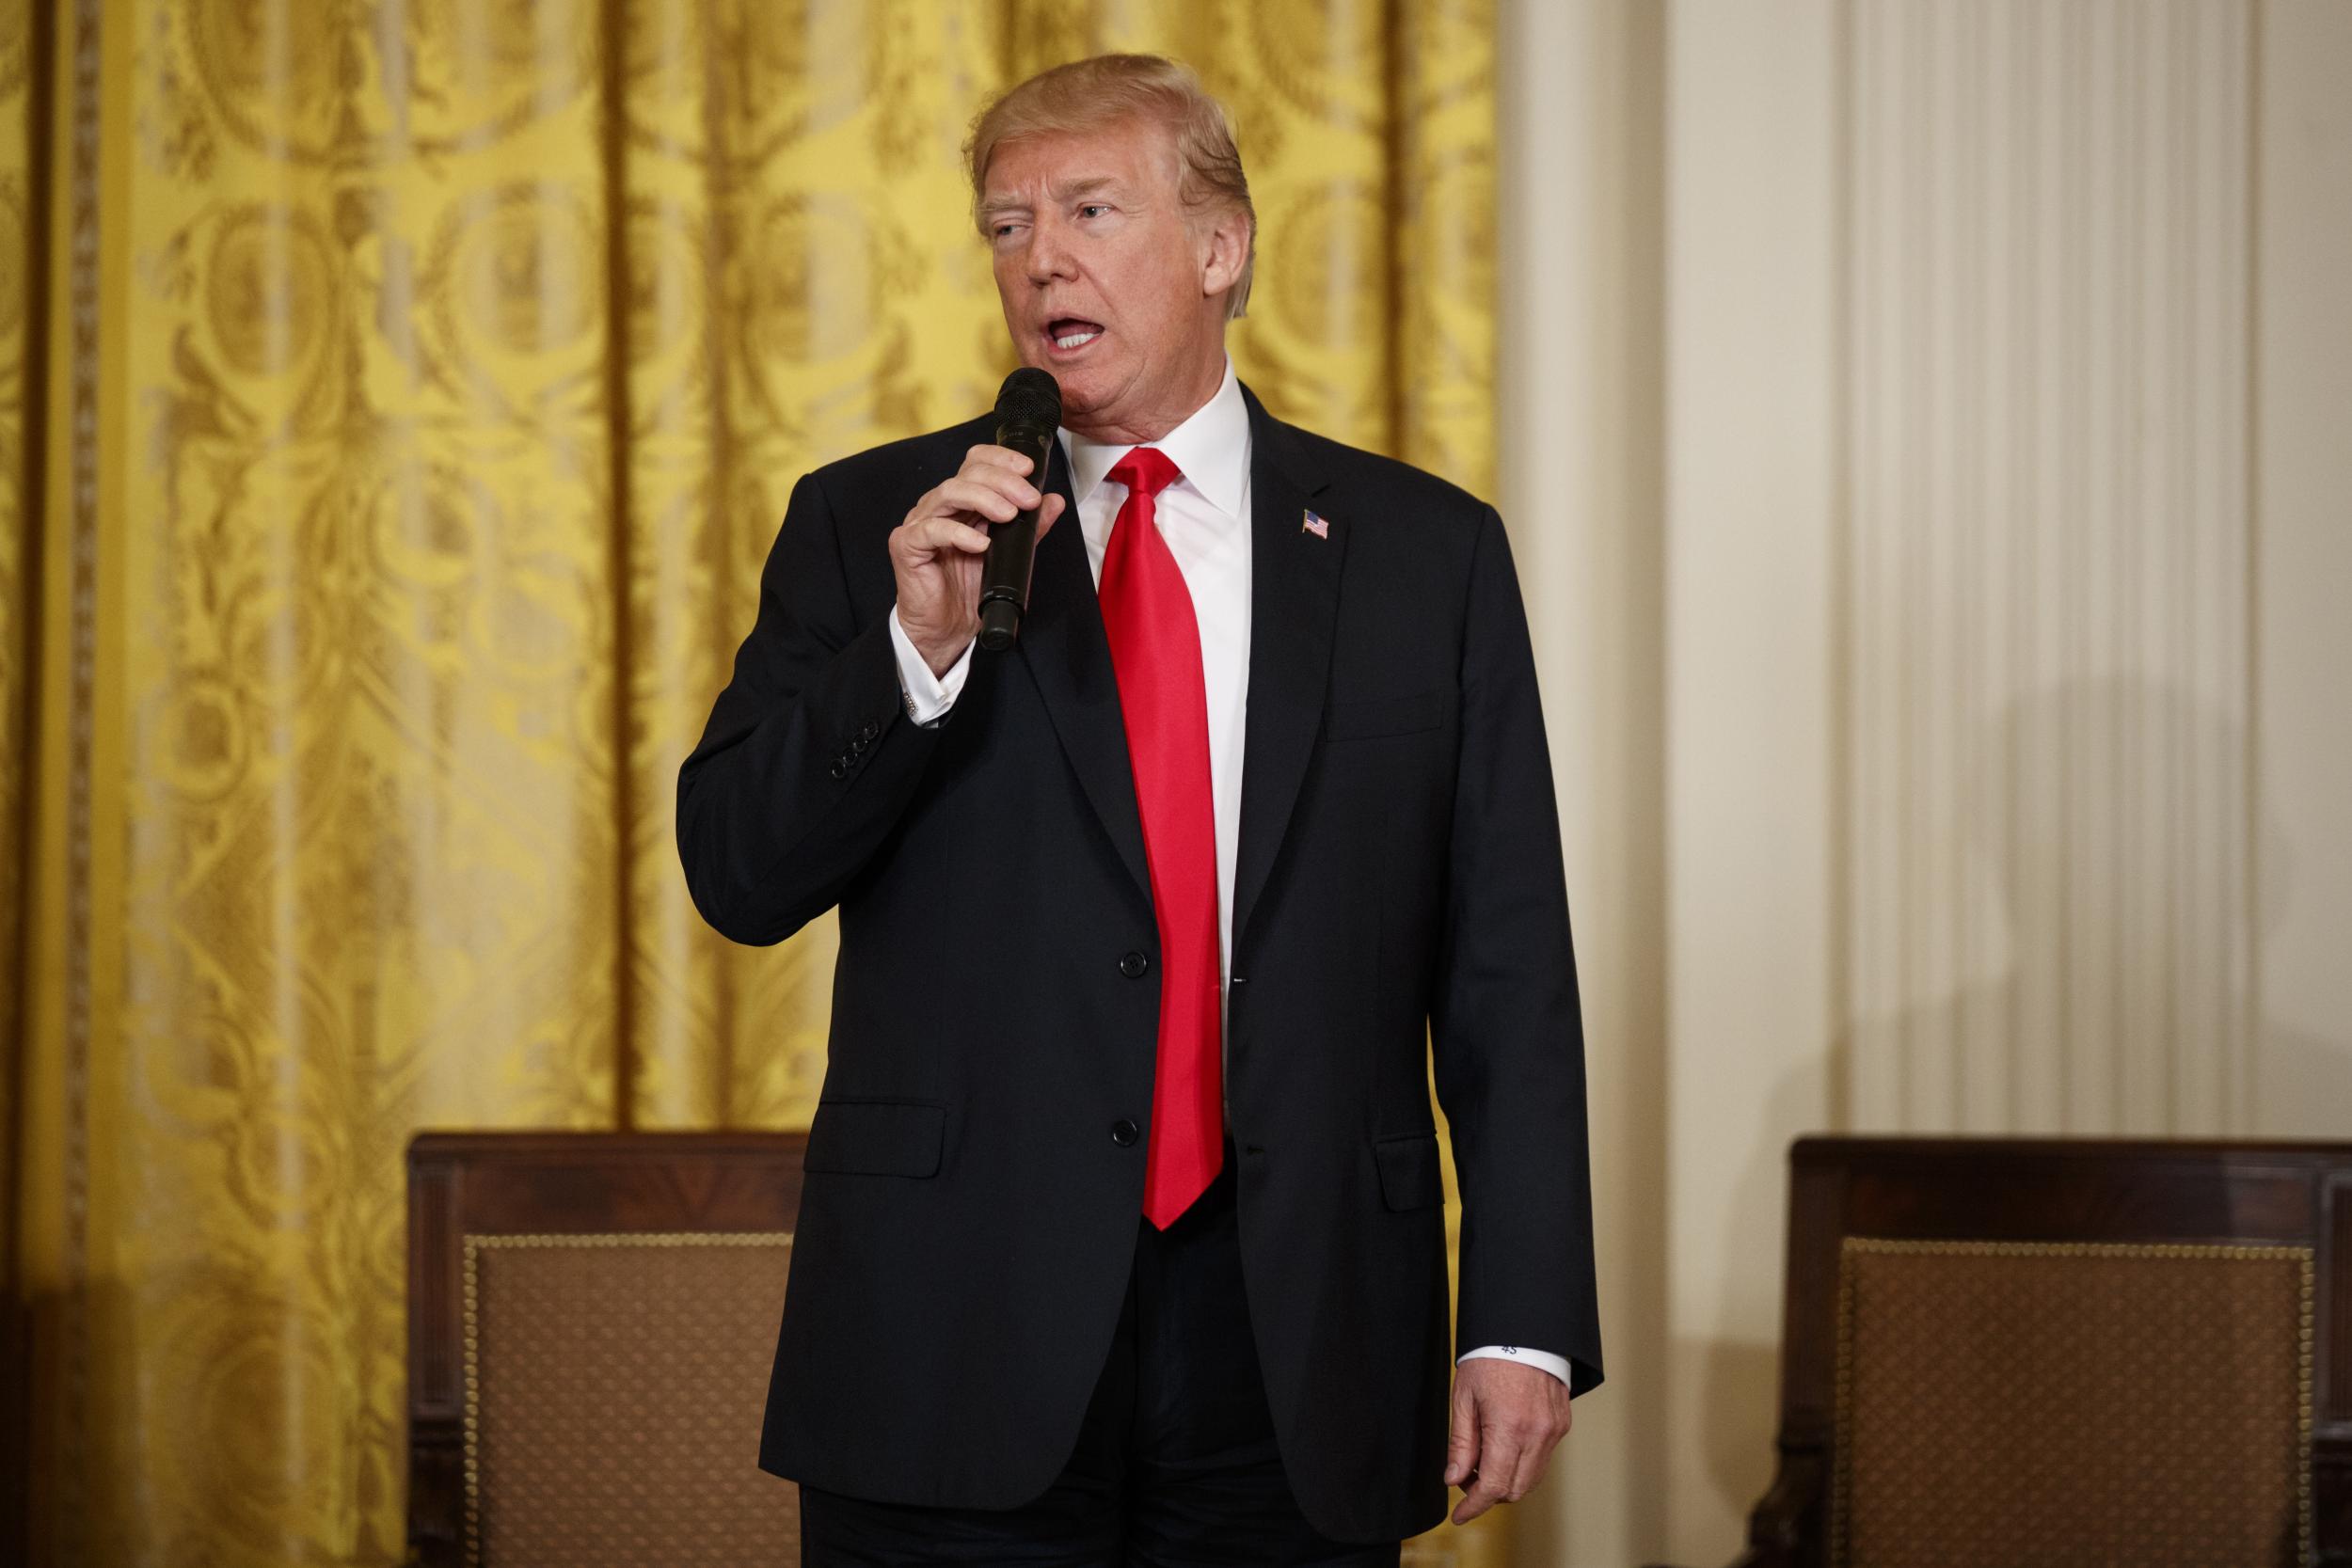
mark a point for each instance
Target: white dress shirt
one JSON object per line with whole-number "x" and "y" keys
{"x": 1204, "y": 517}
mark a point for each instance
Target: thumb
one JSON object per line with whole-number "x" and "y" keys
{"x": 1046, "y": 512}
{"x": 1461, "y": 1448}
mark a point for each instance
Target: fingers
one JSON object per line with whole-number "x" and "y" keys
{"x": 990, "y": 485}
{"x": 1529, "y": 1468}
{"x": 992, "y": 493}
{"x": 995, "y": 456}
{"x": 939, "y": 535}
{"x": 1508, "y": 1449}
{"x": 1461, "y": 1444}
{"x": 1499, "y": 1450}
{"x": 1000, "y": 468}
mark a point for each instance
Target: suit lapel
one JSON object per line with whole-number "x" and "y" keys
{"x": 1294, "y": 599}
{"x": 1068, "y": 653}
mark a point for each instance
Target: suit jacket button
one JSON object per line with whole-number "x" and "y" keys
{"x": 840, "y": 768}
{"x": 1133, "y": 965}
{"x": 870, "y": 731}
{"x": 1124, "y": 1132}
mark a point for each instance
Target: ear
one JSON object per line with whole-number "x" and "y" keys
{"x": 1226, "y": 251}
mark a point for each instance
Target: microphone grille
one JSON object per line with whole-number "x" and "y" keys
{"x": 1030, "y": 396}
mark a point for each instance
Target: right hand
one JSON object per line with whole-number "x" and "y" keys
{"x": 936, "y": 553}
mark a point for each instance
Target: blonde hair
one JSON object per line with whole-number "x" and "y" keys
{"x": 1085, "y": 95}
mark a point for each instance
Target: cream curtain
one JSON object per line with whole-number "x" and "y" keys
{"x": 397, "y": 400}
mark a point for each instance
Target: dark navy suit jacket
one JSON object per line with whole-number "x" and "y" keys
{"x": 968, "y": 1218}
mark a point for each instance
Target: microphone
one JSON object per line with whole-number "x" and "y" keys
{"x": 1028, "y": 412}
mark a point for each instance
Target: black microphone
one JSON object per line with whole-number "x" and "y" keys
{"x": 1028, "y": 412}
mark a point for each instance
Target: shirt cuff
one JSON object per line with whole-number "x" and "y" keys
{"x": 927, "y": 696}
{"x": 1556, "y": 1365}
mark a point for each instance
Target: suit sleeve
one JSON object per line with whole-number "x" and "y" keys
{"x": 809, "y": 759}
{"x": 1505, "y": 1025}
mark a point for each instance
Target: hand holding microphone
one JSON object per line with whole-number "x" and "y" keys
{"x": 936, "y": 553}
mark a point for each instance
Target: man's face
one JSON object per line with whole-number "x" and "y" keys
{"x": 1104, "y": 282}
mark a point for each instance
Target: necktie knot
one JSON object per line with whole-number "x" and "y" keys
{"x": 1145, "y": 472}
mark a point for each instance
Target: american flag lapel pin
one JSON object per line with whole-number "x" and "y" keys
{"x": 1319, "y": 526}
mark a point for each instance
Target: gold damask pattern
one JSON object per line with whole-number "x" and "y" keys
{"x": 20, "y": 267}
{"x": 428, "y": 378}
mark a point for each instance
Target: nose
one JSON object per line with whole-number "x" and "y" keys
{"x": 1047, "y": 257}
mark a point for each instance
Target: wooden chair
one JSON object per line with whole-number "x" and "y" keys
{"x": 2035, "y": 1354}
{"x": 592, "y": 1316}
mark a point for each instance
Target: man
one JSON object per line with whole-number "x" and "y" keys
{"x": 1123, "y": 1234}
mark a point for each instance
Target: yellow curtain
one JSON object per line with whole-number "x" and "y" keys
{"x": 397, "y": 400}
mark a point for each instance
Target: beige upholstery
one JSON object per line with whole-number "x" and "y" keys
{"x": 615, "y": 1386}
{"x": 2069, "y": 1406}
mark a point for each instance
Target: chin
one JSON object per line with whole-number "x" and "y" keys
{"x": 1082, "y": 389}
{"x": 1088, "y": 386}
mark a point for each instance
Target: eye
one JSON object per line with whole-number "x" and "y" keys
{"x": 1093, "y": 207}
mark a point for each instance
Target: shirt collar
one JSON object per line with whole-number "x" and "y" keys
{"x": 1211, "y": 449}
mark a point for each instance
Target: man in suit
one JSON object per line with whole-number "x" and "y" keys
{"x": 1122, "y": 1235}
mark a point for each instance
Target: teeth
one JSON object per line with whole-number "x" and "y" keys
{"x": 1075, "y": 340}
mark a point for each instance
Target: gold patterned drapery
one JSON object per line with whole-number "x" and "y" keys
{"x": 397, "y": 400}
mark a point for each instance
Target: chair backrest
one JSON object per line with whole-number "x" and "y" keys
{"x": 2068, "y": 1352}
{"x": 592, "y": 1318}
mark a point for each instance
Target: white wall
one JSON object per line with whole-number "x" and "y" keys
{"x": 2302, "y": 601}
{"x": 1581, "y": 425}
{"x": 1927, "y": 439}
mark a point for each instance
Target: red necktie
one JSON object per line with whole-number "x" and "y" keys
{"x": 1156, "y": 653}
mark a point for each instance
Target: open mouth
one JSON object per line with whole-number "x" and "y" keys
{"x": 1068, "y": 334}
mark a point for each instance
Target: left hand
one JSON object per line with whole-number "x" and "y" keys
{"x": 1506, "y": 1419}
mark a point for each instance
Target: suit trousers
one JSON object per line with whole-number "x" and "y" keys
{"x": 1175, "y": 1460}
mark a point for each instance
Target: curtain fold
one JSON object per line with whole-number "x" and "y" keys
{"x": 25, "y": 47}
{"x": 397, "y": 402}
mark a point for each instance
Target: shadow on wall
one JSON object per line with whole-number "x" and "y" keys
{"x": 2113, "y": 818}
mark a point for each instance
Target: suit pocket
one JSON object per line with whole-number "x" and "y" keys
{"x": 877, "y": 1137}
{"x": 1409, "y": 1177}
{"x": 1378, "y": 716}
